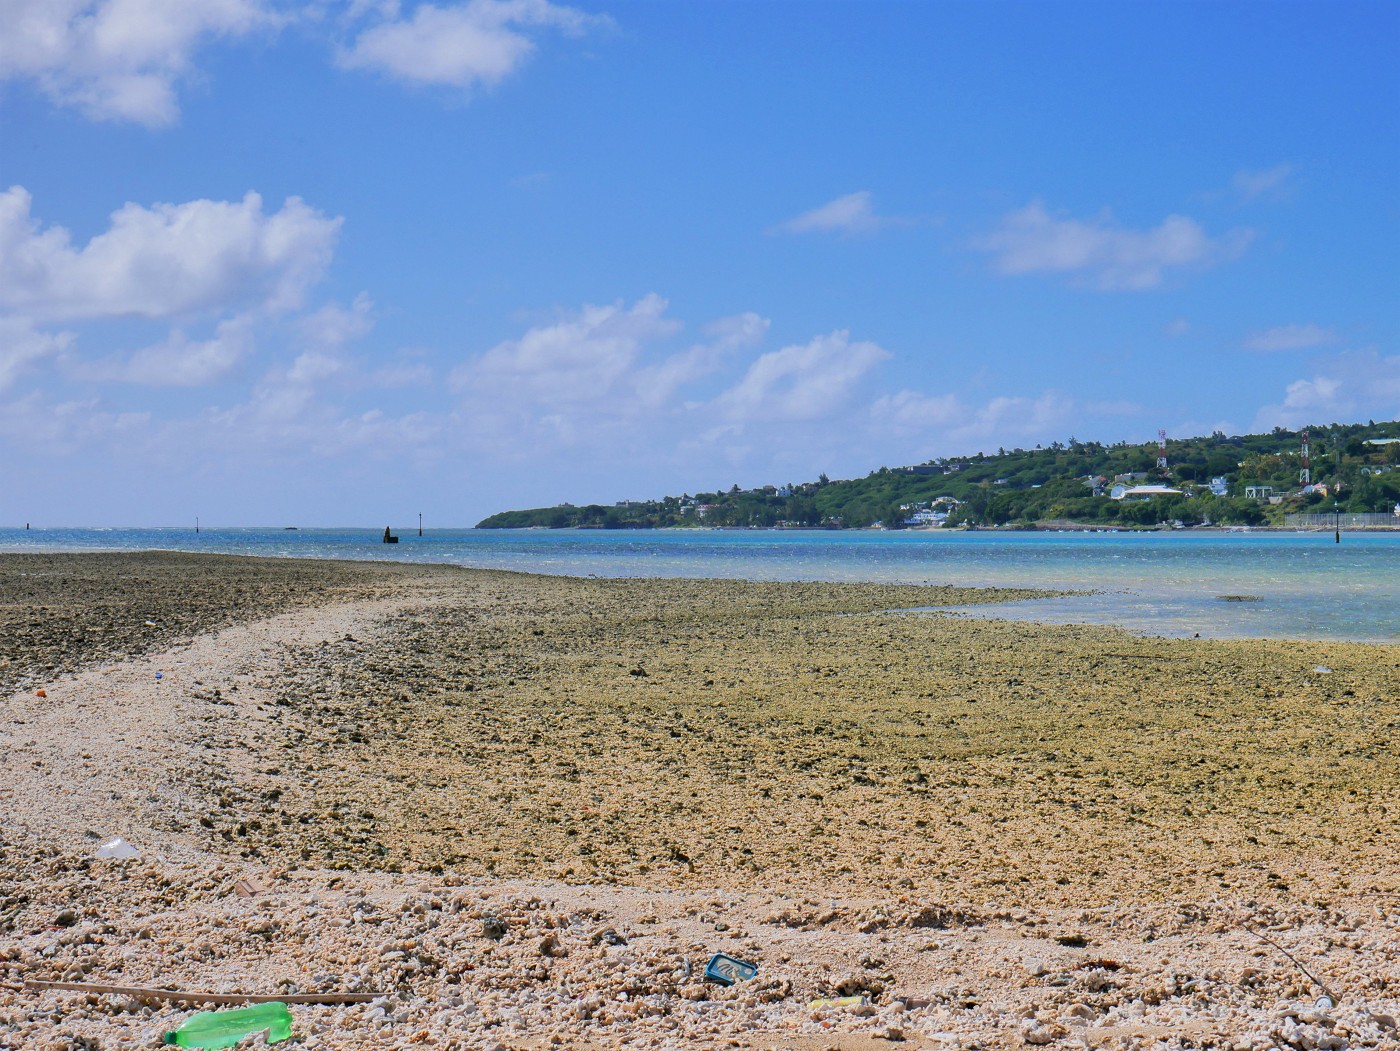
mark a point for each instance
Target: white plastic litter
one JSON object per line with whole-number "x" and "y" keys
{"x": 117, "y": 848}
{"x": 1322, "y": 669}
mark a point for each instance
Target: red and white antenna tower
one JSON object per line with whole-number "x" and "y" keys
{"x": 1162, "y": 450}
{"x": 1305, "y": 475}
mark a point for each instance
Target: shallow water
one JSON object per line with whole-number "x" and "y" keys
{"x": 1306, "y": 586}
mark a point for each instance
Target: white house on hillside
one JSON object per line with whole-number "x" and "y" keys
{"x": 1141, "y": 492}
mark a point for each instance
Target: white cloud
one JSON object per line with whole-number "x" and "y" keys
{"x": 179, "y": 361}
{"x": 578, "y": 359}
{"x": 1355, "y": 385}
{"x": 1290, "y": 337}
{"x": 64, "y": 428}
{"x": 165, "y": 260}
{"x": 334, "y": 325}
{"x": 1113, "y": 257}
{"x": 851, "y": 214}
{"x": 478, "y": 42}
{"x": 1004, "y": 420}
{"x": 910, "y": 411}
{"x": 801, "y": 382}
{"x": 117, "y": 59}
{"x": 21, "y": 345}
{"x": 656, "y": 385}
{"x": 1268, "y": 182}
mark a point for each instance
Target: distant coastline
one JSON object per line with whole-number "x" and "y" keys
{"x": 1282, "y": 480}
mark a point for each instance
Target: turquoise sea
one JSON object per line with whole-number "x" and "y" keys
{"x": 1301, "y": 585}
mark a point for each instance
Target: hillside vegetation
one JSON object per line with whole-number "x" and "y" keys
{"x": 1352, "y": 469}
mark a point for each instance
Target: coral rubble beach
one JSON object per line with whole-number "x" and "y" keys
{"x": 527, "y": 809}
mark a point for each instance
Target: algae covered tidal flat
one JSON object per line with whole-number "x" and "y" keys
{"x": 523, "y": 811}
{"x": 733, "y": 733}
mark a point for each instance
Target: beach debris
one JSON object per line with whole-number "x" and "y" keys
{"x": 216, "y": 1029}
{"x": 151, "y": 624}
{"x": 1324, "y": 1003}
{"x": 1322, "y": 669}
{"x": 138, "y": 992}
{"x": 609, "y": 936}
{"x": 550, "y": 945}
{"x": 41, "y": 692}
{"x": 1100, "y": 964}
{"x": 1328, "y": 995}
{"x": 838, "y": 1001}
{"x": 117, "y": 849}
{"x": 246, "y": 888}
{"x": 159, "y": 675}
{"x": 493, "y": 927}
{"x": 66, "y": 918}
{"x": 724, "y": 969}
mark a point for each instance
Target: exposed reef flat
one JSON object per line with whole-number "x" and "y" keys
{"x": 1038, "y": 834}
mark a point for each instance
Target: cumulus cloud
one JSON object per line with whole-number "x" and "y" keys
{"x": 1354, "y": 385}
{"x": 851, "y": 214}
{"x": 334, "y": 325}
{"x": 463, "y": 45}
{"x": 63, "y": 428}
{"x": 1003, "y": 419}
{"x": 801, "y": 382}
{"x": 1290, "y": 337}
{"x": 1251, "y": 185}
{"x": 577, "y": 359}
{"x": 655, "y": 385}
{"x": 117, "y": 59}
{"x": 178, "y": 361}
{"x": 163, "y": 261}
{"x": 21, "y": 346}
{"x": 910, "y": 411}
{"x": 1112, "y": 257}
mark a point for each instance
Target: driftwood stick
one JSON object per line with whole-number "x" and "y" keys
{"x": 141, "y": 993}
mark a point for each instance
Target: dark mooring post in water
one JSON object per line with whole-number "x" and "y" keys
{"x": 420, "y": 523}
{"x": 389, "y": 538}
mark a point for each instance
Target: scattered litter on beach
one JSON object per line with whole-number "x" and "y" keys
{"x": 838, "y": 1001}
{"x": 724, "y": 969}
{"x": 117, "y": 849}
{"x": 1322, "y": 669}
{"x": 246, "y": 888}
{"x": 1328, "y": 995}
{"x": 41, "y": 692}
{"x": 218, "y": 1029}
{"x": 141, "y": 992}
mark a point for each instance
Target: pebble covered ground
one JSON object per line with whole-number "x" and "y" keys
{"x": 61, "y": 612}
{"x": 527, "y": 809}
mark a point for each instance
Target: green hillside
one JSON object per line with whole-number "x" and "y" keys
{"x": 1352, "y": 468}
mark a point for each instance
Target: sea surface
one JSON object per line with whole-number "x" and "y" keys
{"x": 1218, "y": 585}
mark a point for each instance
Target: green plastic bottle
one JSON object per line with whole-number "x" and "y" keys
{"x": 215, "y": 1029}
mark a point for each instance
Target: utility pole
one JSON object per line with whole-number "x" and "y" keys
{"x": 1337, "y": 483}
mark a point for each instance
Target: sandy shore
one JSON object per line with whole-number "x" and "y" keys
{"x": 528, "y": 809}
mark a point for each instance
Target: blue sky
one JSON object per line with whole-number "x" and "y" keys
{"x": 343, "y": 262}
